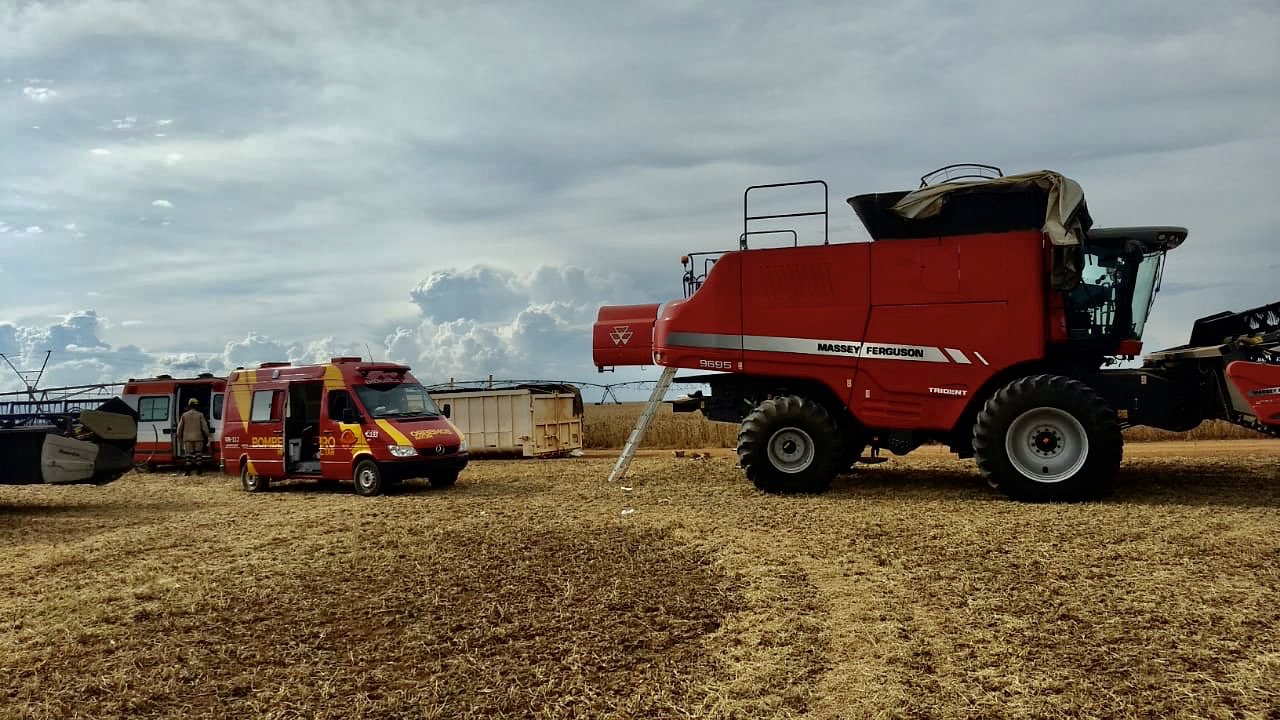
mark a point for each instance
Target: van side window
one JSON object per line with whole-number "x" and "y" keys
{"x": 217, "y": 407}
{"x": 265, "y": 407}
{"x": 339, "y": 401}
{"x": 153, "y": 409}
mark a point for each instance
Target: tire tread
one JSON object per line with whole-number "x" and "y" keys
{"x": 1106, "y": 443}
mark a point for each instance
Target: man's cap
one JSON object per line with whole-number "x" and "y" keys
{"x": 193, "y": 401}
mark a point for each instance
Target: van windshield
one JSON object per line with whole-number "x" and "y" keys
{"x": 394, "y": 400}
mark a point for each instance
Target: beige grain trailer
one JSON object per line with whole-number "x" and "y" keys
{"x": 525, "y": 420}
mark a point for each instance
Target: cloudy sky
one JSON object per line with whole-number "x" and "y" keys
{"x": 193, "y": 185}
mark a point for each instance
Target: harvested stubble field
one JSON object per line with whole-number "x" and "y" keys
{"x": 529, "y": 590}
{"x": 609, "y": 425}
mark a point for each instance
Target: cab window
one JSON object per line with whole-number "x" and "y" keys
{"x": 217, "y": 407}
{"x": 265, "y": 406}
{"x": 339, "y": 401}
{"x": 153, "y": 409}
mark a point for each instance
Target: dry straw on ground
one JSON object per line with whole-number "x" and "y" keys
{"x": 608, "y": 426}
{"x": 527, "y": 591}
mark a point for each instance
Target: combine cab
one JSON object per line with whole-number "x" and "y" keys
{"x": 986, "y": 314}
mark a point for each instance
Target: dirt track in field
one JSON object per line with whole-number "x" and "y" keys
{"x": 535, "y": 589}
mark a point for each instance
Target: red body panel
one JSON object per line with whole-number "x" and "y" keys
{"x": 623, "y": 335}
{"x": 904, "y": 330}
{"x": 1258, "y": 385}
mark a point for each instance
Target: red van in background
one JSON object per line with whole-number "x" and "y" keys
{"x": 367, "y": 422}
{"x": 159, "y": 402}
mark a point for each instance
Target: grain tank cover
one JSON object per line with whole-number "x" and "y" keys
{"x": 1042, "y": 200}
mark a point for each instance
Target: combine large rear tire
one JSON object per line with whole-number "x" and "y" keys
{"x": 789, "y": 445}
{"x": 1048, "y": 438}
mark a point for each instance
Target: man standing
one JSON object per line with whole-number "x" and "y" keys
{"x": 193, "y": 433}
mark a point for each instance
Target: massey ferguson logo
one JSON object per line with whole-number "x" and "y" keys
{"x": 1265, "y": 391}
{"x": 889, "y": 351}
{"x": 837, "y": 348}
{"x": 621, "y": 334}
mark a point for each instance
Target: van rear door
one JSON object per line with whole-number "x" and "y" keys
{"x": 215, "y": 422}
{"x": 155, "y": 428}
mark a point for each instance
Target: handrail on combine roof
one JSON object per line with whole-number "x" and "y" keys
{"x": 747, "y": 217}
{"x": 992, "y": 173}
{"x": 742, "y": 239}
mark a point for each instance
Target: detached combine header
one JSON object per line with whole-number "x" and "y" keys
{"x": 90, "y": 446}
{"x": 985, "y": 314}
{"x": 79, "y": 434}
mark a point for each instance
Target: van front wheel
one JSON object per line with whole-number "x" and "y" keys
{"x": 368, "y": 478}
{"x": 251, "y": 482}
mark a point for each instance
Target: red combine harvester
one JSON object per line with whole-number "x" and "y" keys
{"x": 981, "y": 316}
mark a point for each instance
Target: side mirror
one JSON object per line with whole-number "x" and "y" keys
{"x": 351, "y": 416}
{"x": 446, "y": 410}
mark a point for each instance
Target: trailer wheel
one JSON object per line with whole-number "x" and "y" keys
{"x": 368, "y": 478}
{"x": 789, "y": 445}
{"x": 1048, "y": 438}
{"x": 251, "y": 483}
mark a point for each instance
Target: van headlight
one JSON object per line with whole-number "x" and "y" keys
{"x": 462, "y": 446}
{"x": 402, "y": 450}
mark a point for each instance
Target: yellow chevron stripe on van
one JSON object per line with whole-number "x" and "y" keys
{"x": 395, "y": 434}
{"x": 241, "y": 392}
{"x": 333, "y": 378}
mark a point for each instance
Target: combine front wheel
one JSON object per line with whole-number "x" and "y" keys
{"x": 1048, "y": 438}
{"x": 789, "y": 445}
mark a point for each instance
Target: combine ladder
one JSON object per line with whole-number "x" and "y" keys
{"x": 637, "y": 434}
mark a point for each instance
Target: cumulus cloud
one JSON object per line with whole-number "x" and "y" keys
{"x": 484, "y": 320}
{"x": 79, "y": 354}
{"x": 39, "y": 94}
{"x": 477, "y": 293}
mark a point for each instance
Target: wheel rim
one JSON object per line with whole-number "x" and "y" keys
{"x": 367, "y": 479}
{"x": 791, "y": 450}
{"x": 1047, "y": 445}
{"x": 248, "y": 480}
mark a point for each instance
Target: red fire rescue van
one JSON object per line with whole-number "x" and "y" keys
{"x": 368, "y": 422}
{"x": 159, "y": 402}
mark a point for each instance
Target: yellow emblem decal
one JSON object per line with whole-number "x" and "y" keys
{"x": 428, "y": 434}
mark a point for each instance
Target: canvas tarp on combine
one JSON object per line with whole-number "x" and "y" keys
{"x": 1042, "y": 200}
{"x": 1065, "y": 199}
